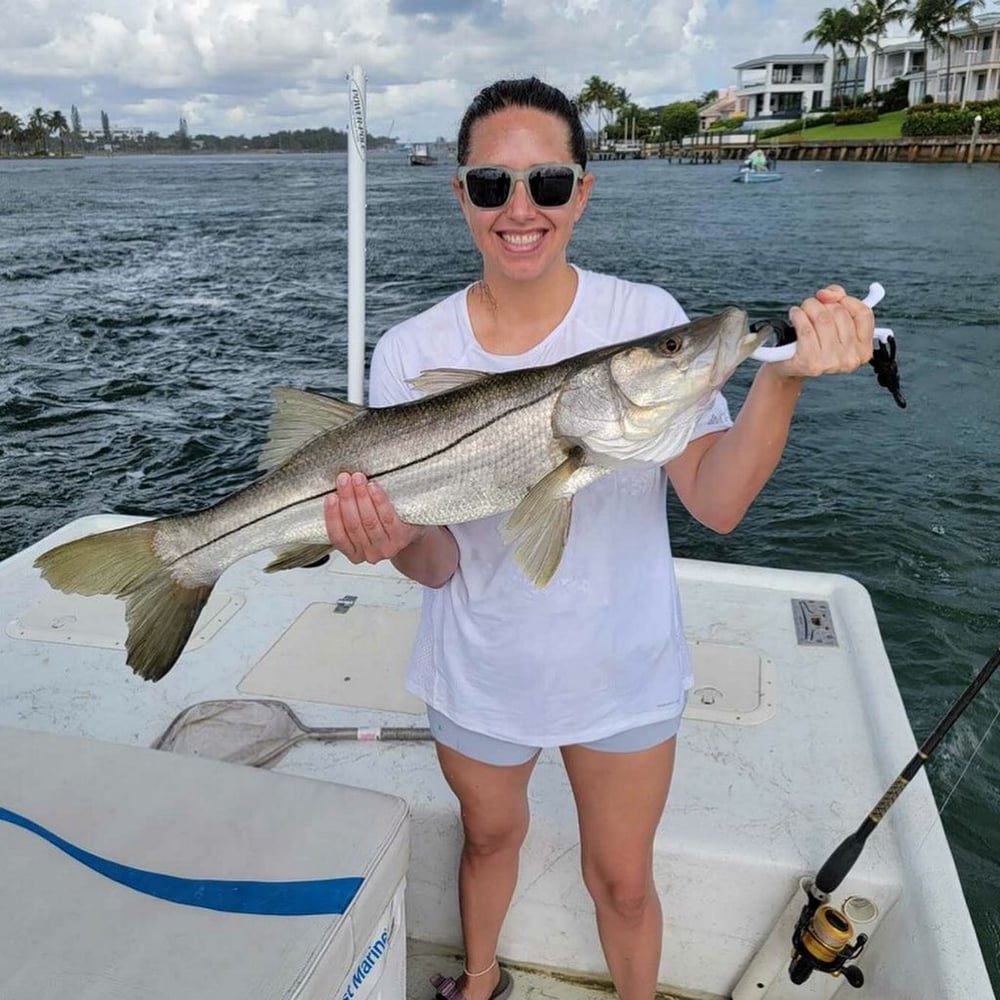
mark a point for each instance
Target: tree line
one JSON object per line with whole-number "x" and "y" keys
{"x": 617, "y": 116}
{"x": 34, "y": 135}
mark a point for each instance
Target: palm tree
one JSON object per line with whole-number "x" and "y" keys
{"x": 620, "y": 103}
{"x": 831, "y": 29}
{"x": 9, "y": 125}
{"x": 927, "y": 20}
{"x": 57, "y": 123}
{"x": 951, "y": 11}
{"x": 38, "y": 129}
{"x": 855, "y": 29}
{"x": 599, "y": 94}
{"x": 877, "y": 16}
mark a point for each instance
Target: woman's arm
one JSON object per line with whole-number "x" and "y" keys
{"x": 718, "y": 476}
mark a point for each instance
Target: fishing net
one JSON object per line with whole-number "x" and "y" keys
{"x": 259, "y": 732}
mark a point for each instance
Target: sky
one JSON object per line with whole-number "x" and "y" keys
{"x": 248, "y": 67}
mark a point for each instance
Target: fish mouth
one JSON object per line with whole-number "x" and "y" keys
{"x": 733, "y": 351}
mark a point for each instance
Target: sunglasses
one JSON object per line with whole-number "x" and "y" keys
{"x": 549, "y": 185}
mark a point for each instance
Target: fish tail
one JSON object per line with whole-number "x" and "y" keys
{"x": 160, "y": 612}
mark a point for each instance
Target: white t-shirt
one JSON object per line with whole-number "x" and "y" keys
{"x": 599, "y": 650}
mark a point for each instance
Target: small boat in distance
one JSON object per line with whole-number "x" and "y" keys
{"x": 747, "y": 175}
{"x": 757, "y": 168}
{"x": 420, "y": 155}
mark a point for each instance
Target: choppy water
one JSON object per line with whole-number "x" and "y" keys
{"x": 147, "y": 305}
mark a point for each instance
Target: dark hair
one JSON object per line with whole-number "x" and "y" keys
{"x": 526, "y": 93}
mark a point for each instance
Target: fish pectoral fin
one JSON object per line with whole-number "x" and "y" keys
{"x": 540, "y": 523}
{"x": 297, "y": 556}
{"x": 298, "y": 417}
{"x": 438, "y": 380}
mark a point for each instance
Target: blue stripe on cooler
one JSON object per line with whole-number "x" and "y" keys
{"x": 281, "y": 899}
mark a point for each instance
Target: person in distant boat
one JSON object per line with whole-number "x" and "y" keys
{"x": 594, "y": 664}
{"x": 758, "y": 160}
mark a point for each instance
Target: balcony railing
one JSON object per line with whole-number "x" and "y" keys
{"x": 982, "y": 57}
{"x": 963, "y": 57}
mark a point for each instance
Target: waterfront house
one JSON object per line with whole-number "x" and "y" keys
{"x": 900, "y": 59}
{"x": 967, "y": 66}
{"x": 783, "y": 86}
{"x": 727, "y": 105}
{"x": 119, "y": 134}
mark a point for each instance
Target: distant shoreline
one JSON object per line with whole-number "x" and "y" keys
{"x": 194, "y": 152}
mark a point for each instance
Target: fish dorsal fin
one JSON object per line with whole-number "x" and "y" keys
{"x": 539, "y": 524}
{"x": 436, "y": 380}
{"x": 298, "y": 417}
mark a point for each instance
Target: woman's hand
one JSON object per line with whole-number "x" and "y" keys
{"x": 362, "y": 522}
{"x": 834, "y": 334}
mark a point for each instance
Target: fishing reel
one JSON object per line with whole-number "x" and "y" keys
{"x": 822, "y": 942}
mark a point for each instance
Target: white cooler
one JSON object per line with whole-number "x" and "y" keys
{"x": 133, "y": 874}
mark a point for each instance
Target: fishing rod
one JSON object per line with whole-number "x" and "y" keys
{"x": 822, "y": 941}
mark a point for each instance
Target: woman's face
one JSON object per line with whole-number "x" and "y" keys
{"x": 520, "y": 241}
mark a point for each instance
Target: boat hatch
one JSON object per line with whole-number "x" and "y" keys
{"x": 732, "y": 684}
{"x": 100, "y": 621}
{"x": 345, "y": 653}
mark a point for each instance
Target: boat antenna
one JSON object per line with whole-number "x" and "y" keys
{"x": 821, "y": 941}
{"x": 356, "y": 160}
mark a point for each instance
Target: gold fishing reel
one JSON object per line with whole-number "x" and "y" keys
{"x": 824, "y": 942}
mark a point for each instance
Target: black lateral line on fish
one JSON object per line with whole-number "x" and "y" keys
{"x": 398, "y": 468}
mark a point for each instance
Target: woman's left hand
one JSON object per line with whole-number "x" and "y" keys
{"x": 834, "y": 334}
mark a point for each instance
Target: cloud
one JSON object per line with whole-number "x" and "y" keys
{"x": 254, "y": 66}
{"x": 442, "y": 16}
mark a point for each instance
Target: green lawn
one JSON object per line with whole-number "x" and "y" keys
{"x": 887, "y": 127}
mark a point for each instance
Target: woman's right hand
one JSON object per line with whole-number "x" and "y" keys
{"x": 362, "y": 522}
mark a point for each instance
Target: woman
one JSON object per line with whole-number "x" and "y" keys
{"x": 611, "y": 699}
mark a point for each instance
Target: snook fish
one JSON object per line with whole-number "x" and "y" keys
{"x": 476, "y": 444}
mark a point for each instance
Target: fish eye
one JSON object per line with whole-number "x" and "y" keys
{"x": 669, "y": 346}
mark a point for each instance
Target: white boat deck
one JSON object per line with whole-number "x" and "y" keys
{"x": 785, "y": 748}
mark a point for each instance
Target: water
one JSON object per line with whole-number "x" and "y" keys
{"x": 147, "y": 305}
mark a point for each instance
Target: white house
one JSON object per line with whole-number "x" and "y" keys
{"x": 966, "y": 68}
{"x": 899, "y": 58}
{"x": 128, "y": 133}
{"x": 783, "y": 86}
{"x": 972, "y": 70}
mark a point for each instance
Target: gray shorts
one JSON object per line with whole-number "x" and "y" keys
{"x": 490, "y": 750}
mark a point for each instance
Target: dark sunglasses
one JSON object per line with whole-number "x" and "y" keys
{"x": 549, "y": 185}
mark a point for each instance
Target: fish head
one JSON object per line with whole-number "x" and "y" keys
{"x": 676, "y": 368}
{"x": 639, "y": 402}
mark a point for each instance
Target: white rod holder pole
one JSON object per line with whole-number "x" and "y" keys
{"x": 356, "y": 206}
